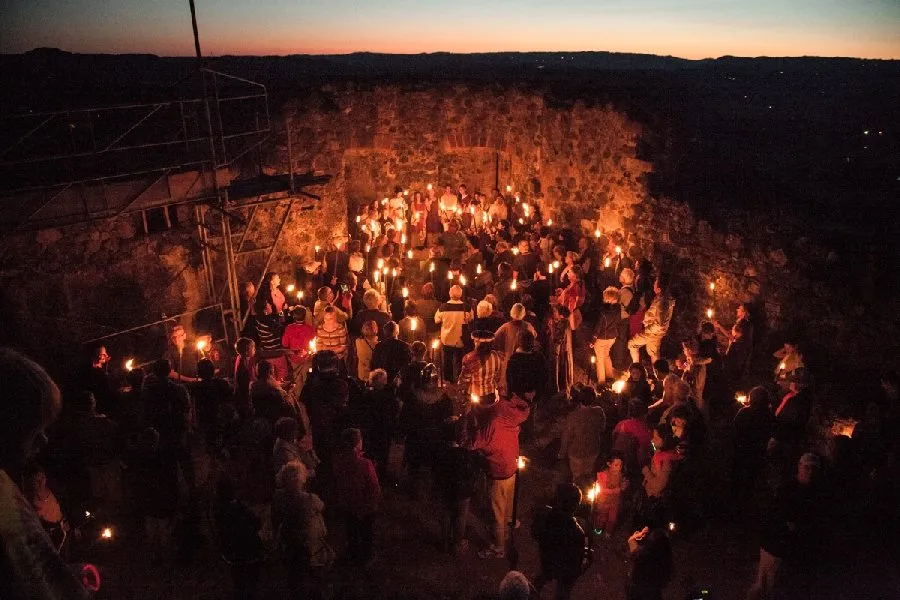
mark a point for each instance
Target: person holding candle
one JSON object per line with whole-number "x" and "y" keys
{"x": 497, "y": 440}
{"x": 371, "y": 312}
{"x": 244, "y": 374}
{"x": 740, "y": 346}
{"x": 612, "y": 482}
{"x": 295, "y": 340}
{"x": 753, "y": 425}
{"x": 480, "y": 372}
{"x": 448, "y": 204}
{"x": 412, "y": 326}
{"x": 562, "y": 544}
{"x": 791, "y": 358}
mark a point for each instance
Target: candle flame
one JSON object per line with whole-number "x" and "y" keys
{"x": 597, "y": 233}
{"x": 129, "y": 364}
{"x": 515, "y": 251}
{"x": 474, "y": 399}
{"x": 521, "y": 462}
{"x": 431, "y": 268}
{"x": 409, "y": 254}
{"x": 462, "y": 280}
{"x": 300, "y": 295}
{"x": 450, "y": 275}
{"x": 618, "y": 249}
{"x": 742, "y": 398}
{"x": 429, "y": 187}
{"x": 513, "y": 285}
{"x": 618, "y": 386}
{"x": 201, "y": 344}
{"x": 435, "y": 343}
{"x": 478, "y": 269}
{"x": 593, "y": 360}
{"x": 358, "y": 218}
{"x": 375, "y": 276}
{"x": 380, "y": 263}
{"x": 549, "y": 222}
{"x": 508, "y": 189}
{"x": 607, "y": 261}
{"x": 709, "y": 313}
{"x": 107, "y": 533}
{"x": 593, "y": 492}
{"x": 393, "y": 272}
{"x": 312, "y": 345}
{"x": 291, "y": 288}
{"x": 521, "y": 221}
{"x": 412, "y": 324}
{"x": 781, "y": 366}
{"x": 712, "y": 286}
{"x": 405, "y": 292}
{"x": 550, "y": 269}
{"x": 317, "y": 248}
{"x": 403, "y": 239}
{"x": 671, "y": 526}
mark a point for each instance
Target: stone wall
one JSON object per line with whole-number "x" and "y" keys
{"x": 580, "y": 161}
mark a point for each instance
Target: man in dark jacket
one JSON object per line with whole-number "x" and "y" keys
{"x": 391, "y": 353}
{"x": 562, "y": 543}
{"x": 326, "y": 396}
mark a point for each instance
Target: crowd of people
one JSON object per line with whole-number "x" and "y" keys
{"x": 426, "y": 351}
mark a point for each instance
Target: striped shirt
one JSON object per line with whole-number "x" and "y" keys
{"x": 335, "y": 339}
{"x": 481, "y": 377}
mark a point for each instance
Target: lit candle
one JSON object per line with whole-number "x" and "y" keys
{"x": 709, "y": 313}
{"x": 459, "y": 210}
{"x": 593, "y": 360}
{"x": 462, "y": 280}
{"x": 549, "y": 222}
{"x": 409, "y": 254}
{"x": 358, "y": 218}
{"x": 521, "y": 221}
{"x": 450, "y": 275}
{"x": 291, "y": 288}
{"x": 513, "y": 285}
{"x": 380, "y": 263}
{"x": 741, "y": 397}
{"x": 521, "y": 462}
{"x": 368, "y": 248}
{"x": 712, "y": 286}
{"x": 399, "y": 224}
{"x": 393, "y": 272}
{"x": 384, "y": 201}
{"x": 474, "y": 399}
{"x": 550, "y": 269}
{"x": 129, "y": 364}
{"x": 435, "y": 343}
{"x": 515, "y": 250}
{"x": 384, "y": 270}
{"x": 403, "y": 239}
{"x": 300, "y": 295}
{"x": 201, "y": 344}
{"x": 508, "y": 189}
{"x": 312, "y": 346}
{"x": 618, "y": 386}
{"x": 412, "y": 324}
{"x": 672, "y": 526}
{"x": 375, "y": 276}
{"x": 107, "y": 533}
{"x": 597, "y": 233}
{"x": 429, "y": 187}
{"x": 619, "y": 250}
{"x": 405, "y": 292}
{"x": 317, "y": 248}
{"x": 406, "y": 192}
{"x": 607, "y": 262}
{"x": 478, "y": 269}
{"x": 781, "y": 366}
{"x": 431, "y": 268}
{"x": 555, "y": 264}
{"x": 472, "y": 209}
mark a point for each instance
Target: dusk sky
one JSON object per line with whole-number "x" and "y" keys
{"x": 686, "y": 28}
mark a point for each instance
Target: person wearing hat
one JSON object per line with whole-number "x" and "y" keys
{"x": 794, "y": 526}
{"x": 480, "y": 371}
{"x": 506, "y": 340}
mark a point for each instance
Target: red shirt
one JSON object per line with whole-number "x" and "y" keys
{"x": 297, "y": 337}
{"x": 498, "y": 440}
{"x": 639, "y": 431}
{"x": 356, "y": 483}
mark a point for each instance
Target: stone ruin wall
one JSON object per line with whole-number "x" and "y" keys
{"x": 580, "y": 162}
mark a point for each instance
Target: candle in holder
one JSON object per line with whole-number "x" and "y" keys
{"x": 380, "y": 263}
{"x": 450, "y": 275}
{"x": 431, "y": 268}
{"x": 375, "y": 275}
{"x": 619, "y": 250}
{"x": 435, "y": 344}
{"x": 550, "y": 269}
{"x": 358, "y": 218}
{"x": 403, "y": 239}
{"x": 513, "y": 285}
{"x": 406, "y": 192}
